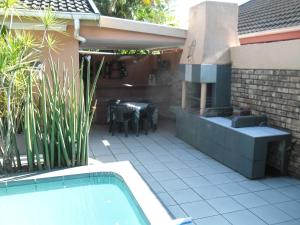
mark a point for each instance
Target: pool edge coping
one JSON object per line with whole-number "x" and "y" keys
{"x": 151, "y": 206}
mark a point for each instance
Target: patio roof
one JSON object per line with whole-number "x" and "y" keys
{"x": 116, "y": 33}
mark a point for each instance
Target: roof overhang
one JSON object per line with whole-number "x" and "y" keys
{"x": 282, "y": 34}
{"x": 142, "y": 27}
{"x": 35, "y": 26}
{"x": 115, "y": 33}
{"x": 113, "y": 39}
{"x": 270, "y": 32}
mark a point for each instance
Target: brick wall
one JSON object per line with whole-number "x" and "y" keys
{"x": 275, "y": 93}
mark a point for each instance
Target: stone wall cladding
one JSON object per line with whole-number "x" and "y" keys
{"x": 275, "y": 93}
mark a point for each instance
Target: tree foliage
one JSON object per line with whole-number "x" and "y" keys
{"x": 153, "y": 11}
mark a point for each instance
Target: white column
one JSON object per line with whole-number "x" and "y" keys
{"x": 203, "y": 98}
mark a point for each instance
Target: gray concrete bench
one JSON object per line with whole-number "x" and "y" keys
{"x": 242, "y": 149}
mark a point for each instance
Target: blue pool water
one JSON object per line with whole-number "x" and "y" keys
{"x": 85, "y": 200}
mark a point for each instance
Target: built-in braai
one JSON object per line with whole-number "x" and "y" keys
{"x": 205, "y": 61}
{"x": 213, "y": 84}
{"x": 241, "y": 143}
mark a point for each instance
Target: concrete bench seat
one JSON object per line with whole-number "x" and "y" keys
{"x": 255, "y": 131}
{"x": 242, "y": 149}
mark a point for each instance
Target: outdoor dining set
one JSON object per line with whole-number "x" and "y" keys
{"x": 138, "y": 115}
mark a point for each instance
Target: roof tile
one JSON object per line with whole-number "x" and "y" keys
{"x": 81, "y": 6}
{"x": 262, "y": 15}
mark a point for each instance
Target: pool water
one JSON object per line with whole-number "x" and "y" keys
{"x": 88, "y": 200}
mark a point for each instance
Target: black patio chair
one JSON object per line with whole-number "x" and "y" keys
{"x": 121, "y": 116}
{"x": 110, "y": 104}
{"x": 147, "y": 118}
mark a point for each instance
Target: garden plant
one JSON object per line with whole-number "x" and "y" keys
{"x": 52, "y": 108}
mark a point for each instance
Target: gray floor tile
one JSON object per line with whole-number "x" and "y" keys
{"x": 141, "y": 169}
{"x": 205, "y": 170}
{"x": 243, "y": 218}
{"x": 164, "y": 175}
{"x": 184, "y": 196}
{"x": 156, "y": 187}
{"x": 291, "y": 208}
{"x": 292, "y": 222}
{"x": 119, "y": 147}
{"x": 225, "y": 205}
{"x": 250, "y": 200}
{"x": 212, "y": 162}
{"x": 213, "y": 220}
{"x": 198, "y": 210}
{"x": 176, "y": 165}
{"x": 218, "y": 179}
{"x": 272, "y": 196}
{"x": 145, "y": 156}
{"x": 106, "y": 158}
{"x": 276, "y": 182}
{"x": 185, "y": 157}
{"x": 221, "y": 168}
{"x": 149, "y": 161}
{"x": 155, "y": 167}
{"x": 292, "y": 192}
{"x": 147, "y": 177}
{"x": 196, "y": 181}
{"x": 158, "y": 152}
{"x": 194, "y": 163}
{"x": 254, "y": 185}
{"x": 173, "y": 185}
{"x": 183, "y": 173}
{"x": 128, "y": 157}
{"x": 125, "y": 156}
{"x": 233, "y": 189}
{"x": 136, "y": 149}
{"x": 209, "y": 192}
{"x": 101, "y": 152}
{"x": 270, "y": 214}
{"x": 166, "y": 199}
{"x": 177, "y": 212}
{"x": 236, "y": 177}
{"x": 199, "y": 155}
{"x": 119, "y": 150}
{"x": 292, "y": 180}
{"x": 166, "y": 158}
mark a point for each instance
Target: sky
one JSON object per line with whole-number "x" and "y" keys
{"x": 181, "y": 9}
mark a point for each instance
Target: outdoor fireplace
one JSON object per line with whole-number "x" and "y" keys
{"x": 205, "y": 61}
{"x": 214, "y": 85}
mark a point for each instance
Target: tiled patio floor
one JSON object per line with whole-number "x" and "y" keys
{"x": 191, "y": 184}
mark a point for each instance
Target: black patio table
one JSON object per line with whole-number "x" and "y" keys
{"x": 138, "y": 108}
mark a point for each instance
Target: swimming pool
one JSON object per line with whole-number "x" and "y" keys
{"x": 108, "y": 194}
{"x": 93, "y": 199}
